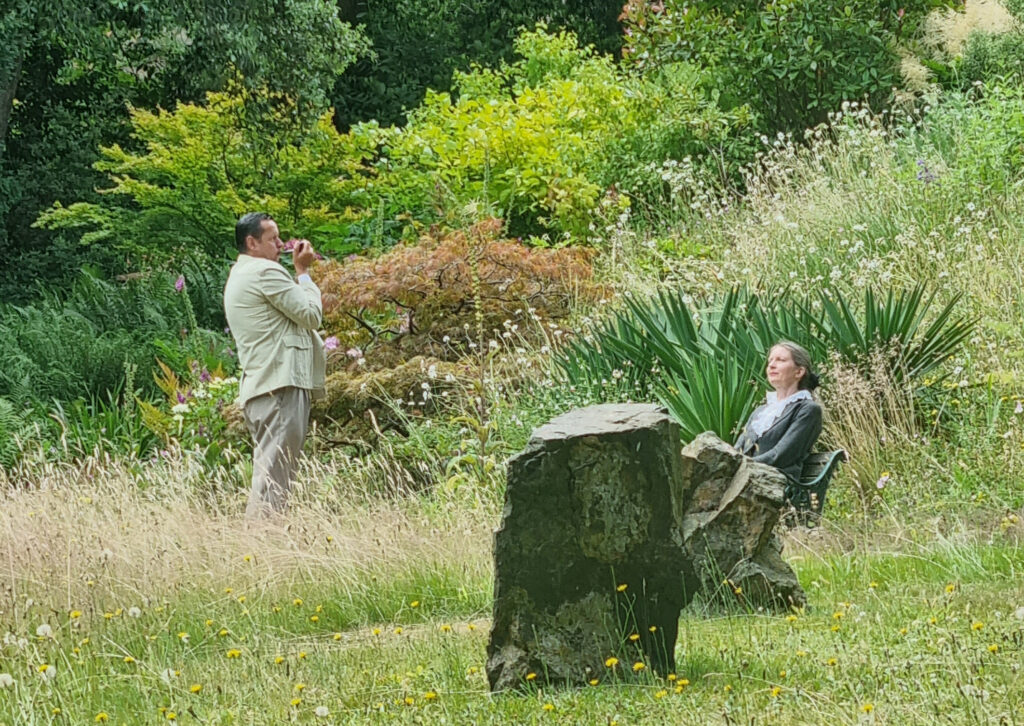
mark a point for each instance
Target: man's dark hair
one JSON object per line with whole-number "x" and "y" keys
{"x": 250, "y": 225}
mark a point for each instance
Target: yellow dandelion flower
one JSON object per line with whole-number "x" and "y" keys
{"x": 801, "y": 653}
{"x": 683, "y": 682}
{"x": 838, "y": 615}
{"x": 993, "y": 648}
{"x": 233, "y": 653}
{"x": 55, "y": 711}
{"x": 414, "y": 604}
{"x": 836, "y": 628}
{"x": 222, "y": 632}
{"x": 75, "y": 614}
{"x": 295, "y": 702}
{"x": 247, "y": 558}
{"x": 314, "y": 618}
{"x": 228, "y": 590}
{"x": 102, "y": 717}
{"x": 872, "y": 584}
{"x": 791, "y": 618}
{"x": 195, "y": 688}
{"x": 129, "y": 659}
{"x": 299, "y": 686}
{"x": 634, "y": 637}
{"x": 276, "y": 608}
{"x": 661, "y": 694}
{"x": 622, "y": 587}
{"x": 409, "y": 700}
{"x": 279, "y": 660}
{"x": 977, "y": 625}
{"x": 831, "y": 662}
{"x": 531, "y": 676}
{"x": 302, "y": 655}
{"x": 445, "y": 628}
{"x": 241, "y": 598}
{"x": 472, "y": 670}
{"x": 611, "y": 662}
{"x": 903, "y": 631}
{"x": 330, "y": 538}
{"x": 867, "y": 708}
{"x": 108, "y": 616}
{"x": 776, "y": 691}
{"x": 319, "y": 608}
{"x": 727, "y": 688}
{"x": 783, "y": 674}
{"x": 933, "y": 620}
{"x": 950, "y": 587}
{"x": 737, "y": 591}
{"x": 336, "y": 636}
{"x": 470, "y": 626}
{"x": 172, "y": 716}
{"x": 429, "y": 696}
{"x": 297, "y": 602}
{"x": 376, "y": 631}
{"x": 398, "y": 631}
{"x": 653, "y": 629}
{"x": 638, "y": 666}
{"x": 670, "y": 677}
{"x": 548, "y": 707}
{"x": 593, "y": 681}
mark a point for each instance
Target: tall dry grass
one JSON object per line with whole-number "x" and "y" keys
{"x": 104, "y": 531}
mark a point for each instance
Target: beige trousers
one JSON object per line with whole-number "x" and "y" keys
{"x": 278, "y": 422}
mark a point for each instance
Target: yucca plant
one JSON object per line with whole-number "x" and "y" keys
{"x": 899, "y": 327}
{"x": 704, "y": 359}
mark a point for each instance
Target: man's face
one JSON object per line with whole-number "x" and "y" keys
{"x": 268, "y": 245}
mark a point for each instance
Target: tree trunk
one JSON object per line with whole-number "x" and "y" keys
{"x": 7, "y": 91}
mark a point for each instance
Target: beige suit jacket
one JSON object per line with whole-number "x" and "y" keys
{"x": 274, "y": 322}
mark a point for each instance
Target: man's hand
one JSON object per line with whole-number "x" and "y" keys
{"x": 303, "y": 256}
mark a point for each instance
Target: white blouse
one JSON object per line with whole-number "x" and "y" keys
{"x": 763, "y": 418}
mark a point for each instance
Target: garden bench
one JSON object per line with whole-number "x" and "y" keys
{"x": 807, "y": 496}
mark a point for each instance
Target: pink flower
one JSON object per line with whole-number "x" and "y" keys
{"x": 179, "y": 284}
{"x": 331, "y": 343}
{"x": 354, "y": 353}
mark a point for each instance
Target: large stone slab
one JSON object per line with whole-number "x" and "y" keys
{"x": 592, "y": 505}
{"x": 729, "y": 528}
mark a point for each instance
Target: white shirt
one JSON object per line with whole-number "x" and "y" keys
{"x": 763, "y": 418}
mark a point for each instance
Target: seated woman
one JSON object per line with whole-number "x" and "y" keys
{"x": 782, "y": 431}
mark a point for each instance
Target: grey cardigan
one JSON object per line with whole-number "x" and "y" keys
{"x": 787, "y": 442}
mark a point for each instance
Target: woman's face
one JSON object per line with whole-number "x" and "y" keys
{"x": 783, "y": 373}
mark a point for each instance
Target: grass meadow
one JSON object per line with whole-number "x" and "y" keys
{"x": 128, "y": 604}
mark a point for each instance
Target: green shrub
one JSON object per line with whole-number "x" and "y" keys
{"x": 419, "y": 43}
{"x": 80, "y": 345}
{"x": 201, "y": 167}
{"x": 990, "y": 56}
{"x": 540, "y": 141}
{"x": 792, "y": 62}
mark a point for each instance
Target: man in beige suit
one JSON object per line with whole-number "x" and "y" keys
{"x": 274, "y": 320}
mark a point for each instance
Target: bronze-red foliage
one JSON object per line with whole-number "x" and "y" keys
{"x": 439, "y": 285}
